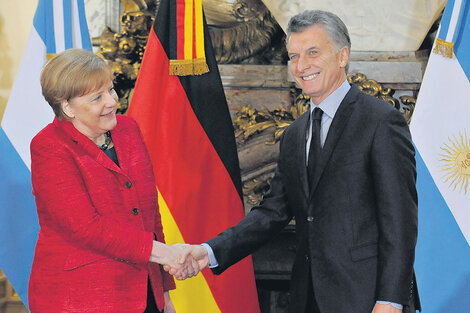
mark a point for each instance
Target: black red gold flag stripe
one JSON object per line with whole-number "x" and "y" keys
{"x": 186, "y": 41}
{"x": 187, "y": 127}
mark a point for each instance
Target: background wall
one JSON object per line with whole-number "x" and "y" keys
{"x": 16, "y": 19}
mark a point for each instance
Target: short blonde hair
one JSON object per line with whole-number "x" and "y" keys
{"x": 73, "y": 73}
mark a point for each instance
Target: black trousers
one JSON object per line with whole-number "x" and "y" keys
{"x": 151, "y": 303}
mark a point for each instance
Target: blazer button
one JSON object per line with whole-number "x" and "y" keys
{"x": 128, "y": 184}
{"x": 135, "y": 211}
{"x": 307, "y": 258}
{"x": 310, "y": 219}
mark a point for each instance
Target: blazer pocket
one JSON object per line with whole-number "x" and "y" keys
{"x": 363, "y": 252}
{"x": 81, "y": 258}
{"x": 347, "y": 159}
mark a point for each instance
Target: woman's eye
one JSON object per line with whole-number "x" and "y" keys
{"x": 97, "y": 98}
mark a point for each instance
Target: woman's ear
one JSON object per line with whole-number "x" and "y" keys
{"x": 66, "y": 109}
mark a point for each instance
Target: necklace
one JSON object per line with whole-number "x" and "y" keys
{"x": 106, "y": 142}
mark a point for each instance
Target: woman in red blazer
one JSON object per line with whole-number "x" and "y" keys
{"x": 96, "y": 200}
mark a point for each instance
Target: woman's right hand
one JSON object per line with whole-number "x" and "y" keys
{"x": 177, "y": 257}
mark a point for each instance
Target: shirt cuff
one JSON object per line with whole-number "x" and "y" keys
{"x": 212, "y": 260}
{"x": 395, "y": 305}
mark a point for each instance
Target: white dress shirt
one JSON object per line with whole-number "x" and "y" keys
{"x": 329, "y": 106}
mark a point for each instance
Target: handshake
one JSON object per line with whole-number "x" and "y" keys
{"x": 181, "y": 260}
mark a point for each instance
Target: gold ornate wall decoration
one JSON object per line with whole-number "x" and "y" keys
{"x": 405, "y": 104}
{"x": 124, "y": 50}
{"x": 373, "y": 88}
{"x": 254, "y": 190}
{"x": 256, "y": 39}
{"x": 408, "y": 107}
{"x": 249, "y": 121}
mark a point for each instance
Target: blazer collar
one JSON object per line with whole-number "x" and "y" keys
{"x": 90, "y": 148}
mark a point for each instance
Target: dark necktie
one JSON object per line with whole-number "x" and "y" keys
{"x": 315, "y": 144}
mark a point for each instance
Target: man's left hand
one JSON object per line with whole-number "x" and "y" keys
{"x": 385, "y": 308}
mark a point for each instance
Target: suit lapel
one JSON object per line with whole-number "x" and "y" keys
{"x": 334, "y": 133}
{"x": 304, "y": 122}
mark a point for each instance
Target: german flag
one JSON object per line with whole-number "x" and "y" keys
{"x": 187, "y": 127}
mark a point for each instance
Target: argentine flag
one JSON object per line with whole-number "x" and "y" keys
{"x": 441, "y": 132}
{"x": 57, "y": 25}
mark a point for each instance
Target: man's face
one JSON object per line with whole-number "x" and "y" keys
{"x": 316, "y": 67}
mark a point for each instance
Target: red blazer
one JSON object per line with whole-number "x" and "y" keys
{"x": 97, "y": 222}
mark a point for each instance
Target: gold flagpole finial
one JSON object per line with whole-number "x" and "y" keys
{"x": 444, "y": 48}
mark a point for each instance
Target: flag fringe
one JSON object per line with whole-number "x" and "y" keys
{"x": 188, "y": 67}
{"x": 444, "y": 48}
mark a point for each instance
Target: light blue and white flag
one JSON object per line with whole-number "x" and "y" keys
{"x": 57, "y": 25}
{"x": 441, "y": 132}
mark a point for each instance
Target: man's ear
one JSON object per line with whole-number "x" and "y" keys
{"x": 343, "y": 56}
{"x": 65, "y": 105}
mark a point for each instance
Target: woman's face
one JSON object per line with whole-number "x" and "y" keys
{"x": 94, "y": 113}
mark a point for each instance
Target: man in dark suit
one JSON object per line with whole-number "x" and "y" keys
{"x": 346, "y": 172}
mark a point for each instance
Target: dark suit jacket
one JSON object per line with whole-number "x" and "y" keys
{"x": 98, "y": 222}
{"x": 356, "y": 226}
